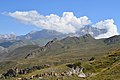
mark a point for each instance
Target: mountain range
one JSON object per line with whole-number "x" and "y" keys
{"x": 56, "y": 50}
{"x": 50, "y": 34}
{"x": 35, "y": 38}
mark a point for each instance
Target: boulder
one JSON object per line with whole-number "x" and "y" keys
{"x": 10, "y": 73}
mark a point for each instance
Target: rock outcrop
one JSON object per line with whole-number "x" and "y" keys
{"x": 10, "y": 73}
{"x": 16, "y": 71}
{"x": 78, "y": 71}
{"x": 33, "y": 53}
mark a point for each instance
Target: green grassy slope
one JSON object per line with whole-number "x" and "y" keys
{"x": 70, "y": 50}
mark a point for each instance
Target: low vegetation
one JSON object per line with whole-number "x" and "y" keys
{"x": 71, "y": 58}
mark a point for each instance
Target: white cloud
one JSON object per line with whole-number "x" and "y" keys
{"x": 67, "y": 23}
{"x": 109, "y": 26}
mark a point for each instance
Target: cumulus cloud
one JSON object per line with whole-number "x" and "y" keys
{"x": 107, "y": 25}
{"x": 67, "y": 23}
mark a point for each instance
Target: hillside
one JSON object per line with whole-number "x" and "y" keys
{"x": 105, "y": 67}
{"x": 94, "y": 55}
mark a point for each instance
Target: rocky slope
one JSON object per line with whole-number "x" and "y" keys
{"x": 95, "y": 56}
{"x": 107, "y": 65}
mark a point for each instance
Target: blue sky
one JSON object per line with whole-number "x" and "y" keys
{"x": 95, "y": 10}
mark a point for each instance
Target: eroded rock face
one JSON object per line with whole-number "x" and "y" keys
{"x": 40, "y": 49}
{"x": 50, "y": 43}
{"x": 78, "y": 71}
{"x": 10, "y": 73}
{"x": 14, "y": 72}
{"x": 81, "y": 74}
{"x": 28, "y": 70}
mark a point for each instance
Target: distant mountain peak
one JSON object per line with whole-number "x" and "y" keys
{"x": 43, "y": 34}
{"x": 88, "y": 36}
{"x": 7, "y": 36}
